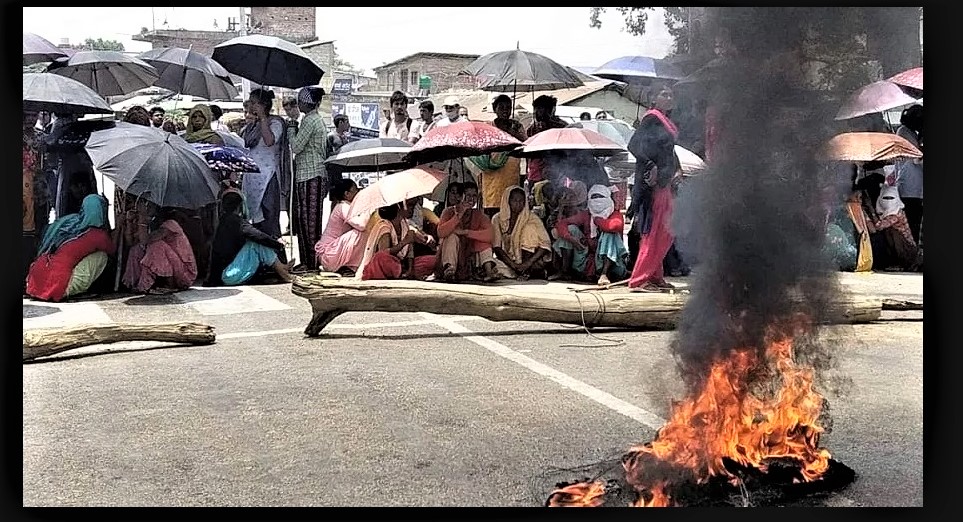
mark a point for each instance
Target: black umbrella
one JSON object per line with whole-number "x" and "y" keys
{"x": 109, "y": 73}
{"x": 515, "y": 70}
{"x": 37, "y": 49}
{"x": 268, "y": 60}
{"x": 187, "y": 72}
{"x": 153, "y": 164}
{"x": 371, "y": 155}
{"x": 59, "y": 94}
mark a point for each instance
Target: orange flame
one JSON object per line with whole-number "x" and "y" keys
{"x": 725, "y": 420}
{"x": 582, "y": 494}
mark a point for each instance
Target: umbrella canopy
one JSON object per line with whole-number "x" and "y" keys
{"x": 371, "y": 155}
{"x": 870, "y": 146}
{"x": 615, "y": 130}
{"x": 912, "y": 78}
{"x": 59, "y": 94}
{"x": 187, "y": 72}
{"x": 268, "y": 60}
{"x": 517, "y": 70}
{"x": 876, "y": 97}
{"x": 226, "y": 158}
{"x": 570, "y": 139}
{"x": 460, "y": 140}
{"x": 395, "y": 188}
{"x": 627, "y": 68}
{"x": 689, "y": 162}
{"x": 441, "y": 190}
{"x": 109, "y": 73}
{"x": 37, "y": 49}
{"x": 153, "y": 164}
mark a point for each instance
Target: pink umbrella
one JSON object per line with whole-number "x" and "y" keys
{"x": 912, "y": 78}
{"x": 570, "y": 139}
{"x": 876, "y": 97}
{"x": 395, "y": 188}
{"x": 460, "y": 140}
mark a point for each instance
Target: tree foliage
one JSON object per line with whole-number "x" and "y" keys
{"x": 636, "y": 18}
{"x": 100, "y": 45}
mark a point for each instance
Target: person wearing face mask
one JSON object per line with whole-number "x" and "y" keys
{"x": 901, "y": 251}
{"x": 452, "y": 108}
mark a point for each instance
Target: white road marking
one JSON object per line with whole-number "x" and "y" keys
{"x": 246, "y": 300}
{"x": 67, "y": 314}
{"x": 615, "y": 404}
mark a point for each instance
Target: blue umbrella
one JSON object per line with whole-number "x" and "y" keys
{"x": 227, "y": 159}
{"x": 629, "y": 68}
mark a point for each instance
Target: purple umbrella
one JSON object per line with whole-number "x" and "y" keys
{"x": 876, "y": 97}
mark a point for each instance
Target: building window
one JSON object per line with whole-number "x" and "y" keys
{"x": 404, "y": 80}
{"x": 414, "y": 80}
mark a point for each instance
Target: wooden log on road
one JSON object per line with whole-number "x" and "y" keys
{"x": 48, "y": 341}
{"x": 331, "y": 297}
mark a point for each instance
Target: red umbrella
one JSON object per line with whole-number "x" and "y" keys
{"x": 570, "y": 139}
{"x": 395, "y": 188}
{"x": 460, "y": 140}
{"x": 912, "y": 78}
{"x": 876, "y": 97}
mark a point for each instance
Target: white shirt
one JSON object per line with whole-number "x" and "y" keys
{"x": 445, "y": 121}
{"x": 419, "y": 128}
{"x": 395, "y": 130}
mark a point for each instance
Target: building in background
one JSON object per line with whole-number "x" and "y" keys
{"x": 406, "y": 74}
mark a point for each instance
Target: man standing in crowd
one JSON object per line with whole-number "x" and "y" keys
{"x": 399, "y": 126}
{"x": 545, "y": 119}
{"x": 452, "y": 112}
{"x": 424, "y": 124}
{"x": 290, "y": 106}
{"x": 157, "y": 117}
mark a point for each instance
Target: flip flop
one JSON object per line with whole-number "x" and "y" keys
{"x": 648, "y": 288}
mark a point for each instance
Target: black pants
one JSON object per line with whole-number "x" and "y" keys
{"x": 914, "y": 214}
{"x": 271, "y": 209}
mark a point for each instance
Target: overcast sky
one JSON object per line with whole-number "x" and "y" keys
{"x": 368, "y": 37}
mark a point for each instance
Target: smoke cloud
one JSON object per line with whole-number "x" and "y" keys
{"x": 756, "y": 219}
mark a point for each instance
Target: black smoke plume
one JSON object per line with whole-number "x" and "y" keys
{"x": 755, "y": 221}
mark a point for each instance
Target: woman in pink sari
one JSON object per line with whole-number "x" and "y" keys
{"x": 164, "y": 263}
{"x": 341, "y": 246}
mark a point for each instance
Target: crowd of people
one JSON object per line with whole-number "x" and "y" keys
{"x": 554, "y": 219}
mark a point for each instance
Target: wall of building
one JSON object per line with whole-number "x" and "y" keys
{"x": 443, "y": 71}
{"x": 324, "y": 55}
{"x": 199, "y": 41}
{"x": 296, "y": 24}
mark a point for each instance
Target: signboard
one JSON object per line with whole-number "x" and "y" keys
{"x": 362, "y": 115}
{"x": 424, "y": 82}
{"x": 341, "y": 86}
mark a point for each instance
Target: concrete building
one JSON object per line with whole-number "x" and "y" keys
{"x": 443, "y": 68}
{"x": 295, "y": 24}
{"x": 324, "y": 54}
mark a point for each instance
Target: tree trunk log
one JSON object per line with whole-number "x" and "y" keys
{"x": 48, "y": 341}
{"x": 616, "y": 308}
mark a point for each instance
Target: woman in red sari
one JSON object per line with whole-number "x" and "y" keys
{"x": 389, "y": 251}
{"x": 69, "y": 241}
{"x": 653, "y": 145}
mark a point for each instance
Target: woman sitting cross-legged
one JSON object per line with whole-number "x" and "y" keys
{"x": 576, "y": 257}
{"x": 605, "y": 235}
{"x": 73, "y": 254}
{"x": 521, "y": 242}
{"x": 389, "y": 253}
{"x": 341, "y": 246}
{"x": 165, "y": 262}
{"x": 465, "y": 240}
{"x": 240, "y": 249}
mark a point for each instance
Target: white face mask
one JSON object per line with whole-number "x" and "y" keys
{"x": 601, "y": 205}
{"x": 888, "y": 202}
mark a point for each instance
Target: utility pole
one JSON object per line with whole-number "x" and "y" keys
{"x": 242, "y": 31}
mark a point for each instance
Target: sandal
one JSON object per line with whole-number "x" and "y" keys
{"x": 650, "y": 288}
{"x": 604, "y": 280}
{"x": 448, "y": 274}
{"x": 664, "y": 284}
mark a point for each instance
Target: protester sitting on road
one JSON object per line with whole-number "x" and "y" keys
{"x": 165, "y": 262}
{"x": 466, "y": 236}
{"x": 240, "y": 249}
{"x": 342, "y": 243}
{"x": 425, "y": 222}
{"x": 899, "y": 251}
{"x": 605, "y": 236}
{"x": 453, "y": 195}
{"x": 576, "y": 257}
{"x": 73, "y": 254}
{"x": 388, "y": 252}
{"x": 521, "y": 242}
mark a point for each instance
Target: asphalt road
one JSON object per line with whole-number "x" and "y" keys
{"x": 401, "y": 409}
